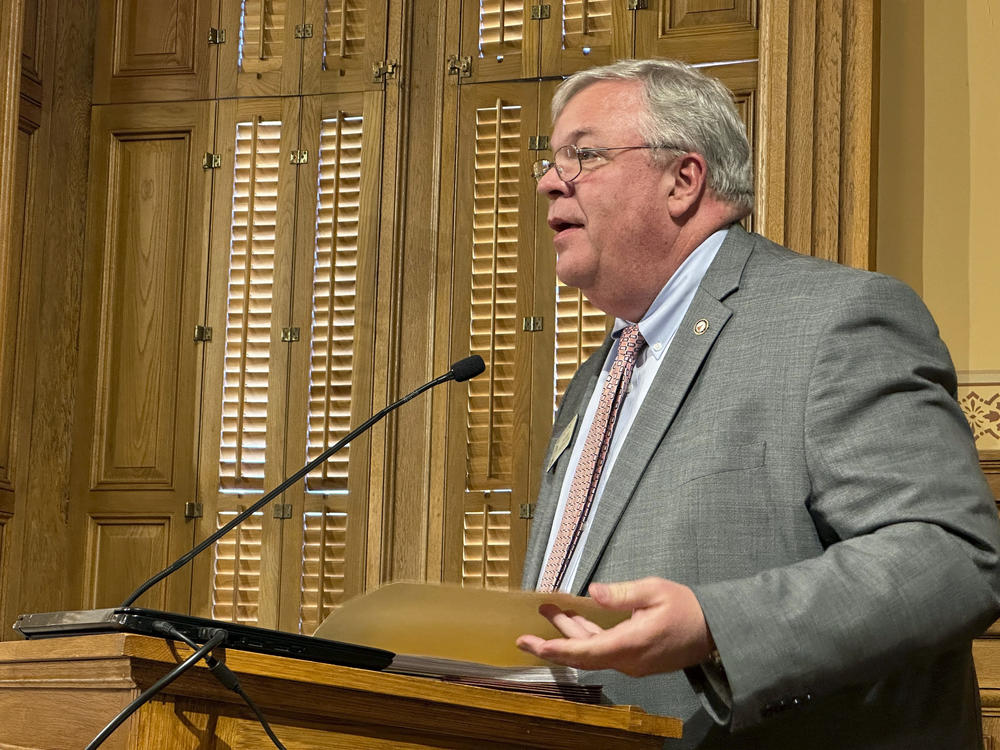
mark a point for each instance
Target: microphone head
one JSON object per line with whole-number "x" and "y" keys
{"x": 467, "y": 368}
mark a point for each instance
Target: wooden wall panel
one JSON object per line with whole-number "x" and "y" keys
{"x": 155, "y": 51}
{"x": 140, "y": 328}
{"x": 698, "y": 31}
{"x": 31, "y": 50}
{"x": 37, "y": 541}
{"x": 817, "y": 130}
{"x": 5, "y": 519}
{"x": 12, "y": 303}
{"x": 139, "y": 377}
{"x": 123, "y": 551}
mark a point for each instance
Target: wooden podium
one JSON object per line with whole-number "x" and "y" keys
{"x": 59, "y": 693}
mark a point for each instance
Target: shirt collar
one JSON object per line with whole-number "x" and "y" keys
{"x": 663, "y": 317}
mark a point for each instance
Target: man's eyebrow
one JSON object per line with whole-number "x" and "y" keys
{"x": 573, "y": 137}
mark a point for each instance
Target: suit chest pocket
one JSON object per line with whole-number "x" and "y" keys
{"x": 705, "y": 460}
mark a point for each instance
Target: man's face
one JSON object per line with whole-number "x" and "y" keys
{"x": 612, "y": 229}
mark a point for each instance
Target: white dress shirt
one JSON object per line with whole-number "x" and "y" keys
{"x": 657, "y": 327}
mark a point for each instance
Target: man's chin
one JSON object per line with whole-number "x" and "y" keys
{"x": 572, "y": 274}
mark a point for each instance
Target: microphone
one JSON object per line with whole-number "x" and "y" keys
{"x": 467, "y": 368}
{"x": 460, "y": 371}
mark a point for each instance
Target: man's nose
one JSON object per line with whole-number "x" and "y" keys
{"x": 552, "y": 184}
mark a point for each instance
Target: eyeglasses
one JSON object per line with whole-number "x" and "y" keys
{"x": 570, "y": 161}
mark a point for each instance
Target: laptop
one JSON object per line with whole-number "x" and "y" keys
{"x": 199, "y": 629}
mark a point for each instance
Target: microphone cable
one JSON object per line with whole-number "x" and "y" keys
{"x": 217, "y": 638}
{"x": 224, "y": 675}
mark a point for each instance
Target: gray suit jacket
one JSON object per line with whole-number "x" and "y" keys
{"x": 803, "y": 466}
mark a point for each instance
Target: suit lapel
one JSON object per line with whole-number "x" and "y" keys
{"x": 701, "y": 326}
{"x": 573, "y": 407}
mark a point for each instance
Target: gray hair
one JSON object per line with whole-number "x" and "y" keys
{"x": 685, "y": 108}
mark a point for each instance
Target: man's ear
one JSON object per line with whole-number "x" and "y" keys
{"x": 690, "y": 173}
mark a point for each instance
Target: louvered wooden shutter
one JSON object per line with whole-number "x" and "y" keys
{"x": 586, "y": 22}
{"x": 494, "y": 296}
{"x": 262, "y": 26}
{"x": 330, "y": 392}
{"x": 344, "y": 27}
{"x": 236, "y": 578}
{"x": 591, "y": 32}
{"x": 495, "y": 262}
{"x": 331, "y": 370}
{"x": 486, "y": 559}
{"x": 500, "y": 39}
{"x": 348, "y": 40}
{"x": 333, "y": 300}
{"x": 248, "y": 411}
{"x": 248, "y": 329}
{"x": 324, "y": 547}
{"x": 580, "y": 330}
{"x": 501, "y": 27}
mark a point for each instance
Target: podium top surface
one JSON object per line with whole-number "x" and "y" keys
{"x": 326, "y": 692}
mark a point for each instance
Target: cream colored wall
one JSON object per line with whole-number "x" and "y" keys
{"x": 939, "y": 181}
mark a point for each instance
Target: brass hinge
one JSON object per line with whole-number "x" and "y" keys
{"x": 384, "y": 70}
{"x": 526, "y": 511}
{"x": 299, "y": 156}
{"x": 193, "y": 510}
{"x": 216, "y": 36}
{"x": 289, "y": 335}
{"x": 538, "y": 143}
{"x": 637, "y": 4}
{"x": 203, "y": 333}
{"x": 282, "y": 511}
{"x": 211, "y": 161}
{"x": 460, "y": 66}
{"x": 533, "y": 325}
{"x": 304, "y": 31}
{"x": 540, "y": 12}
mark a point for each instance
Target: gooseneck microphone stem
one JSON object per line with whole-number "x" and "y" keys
{"x": 460, "y": 371}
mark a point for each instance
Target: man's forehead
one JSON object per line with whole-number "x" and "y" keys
{"x": 608, "y": 123}
{"x": 601, "y": 106}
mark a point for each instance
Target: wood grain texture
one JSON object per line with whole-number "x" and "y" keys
{"x": 817, "y": 136}
{"x": 334, "y": 60}
{"x": 316, "y": 705}
{"x": 14, "y": 358}
{"x": 11, "y": 229}
{"x": 53, "y": 258}
{"x": 154, "y": 51}
{"x": 123, "y": 551}
{"x": 139, "y": 374}
{"x": 276, "y": 71}
{"x": 698, "y": 31}
{"x": 142, "y": 319}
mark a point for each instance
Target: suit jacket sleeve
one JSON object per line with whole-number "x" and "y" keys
{"x": 907, "y": 523}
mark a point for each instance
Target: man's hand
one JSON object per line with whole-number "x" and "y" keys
{"x": 666, "y": 632}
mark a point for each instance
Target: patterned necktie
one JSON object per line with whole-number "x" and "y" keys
{"x": 595, "y": 451}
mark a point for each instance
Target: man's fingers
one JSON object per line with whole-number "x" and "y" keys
{"x": 599, "y": 651}
{"x": 628, "y": 594}
{"x": 569, "y": 623}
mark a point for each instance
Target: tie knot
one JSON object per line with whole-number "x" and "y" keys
{"x": 630, "y": 342}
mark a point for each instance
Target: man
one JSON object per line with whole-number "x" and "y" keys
{"x": 777, "y": 454}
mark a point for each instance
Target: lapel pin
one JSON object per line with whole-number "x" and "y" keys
{"x": 700, "y": 327}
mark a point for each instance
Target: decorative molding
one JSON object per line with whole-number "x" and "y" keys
{"x": 979, "y": 396}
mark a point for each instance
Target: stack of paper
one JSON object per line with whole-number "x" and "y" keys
{"x": 465, "y": 635}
